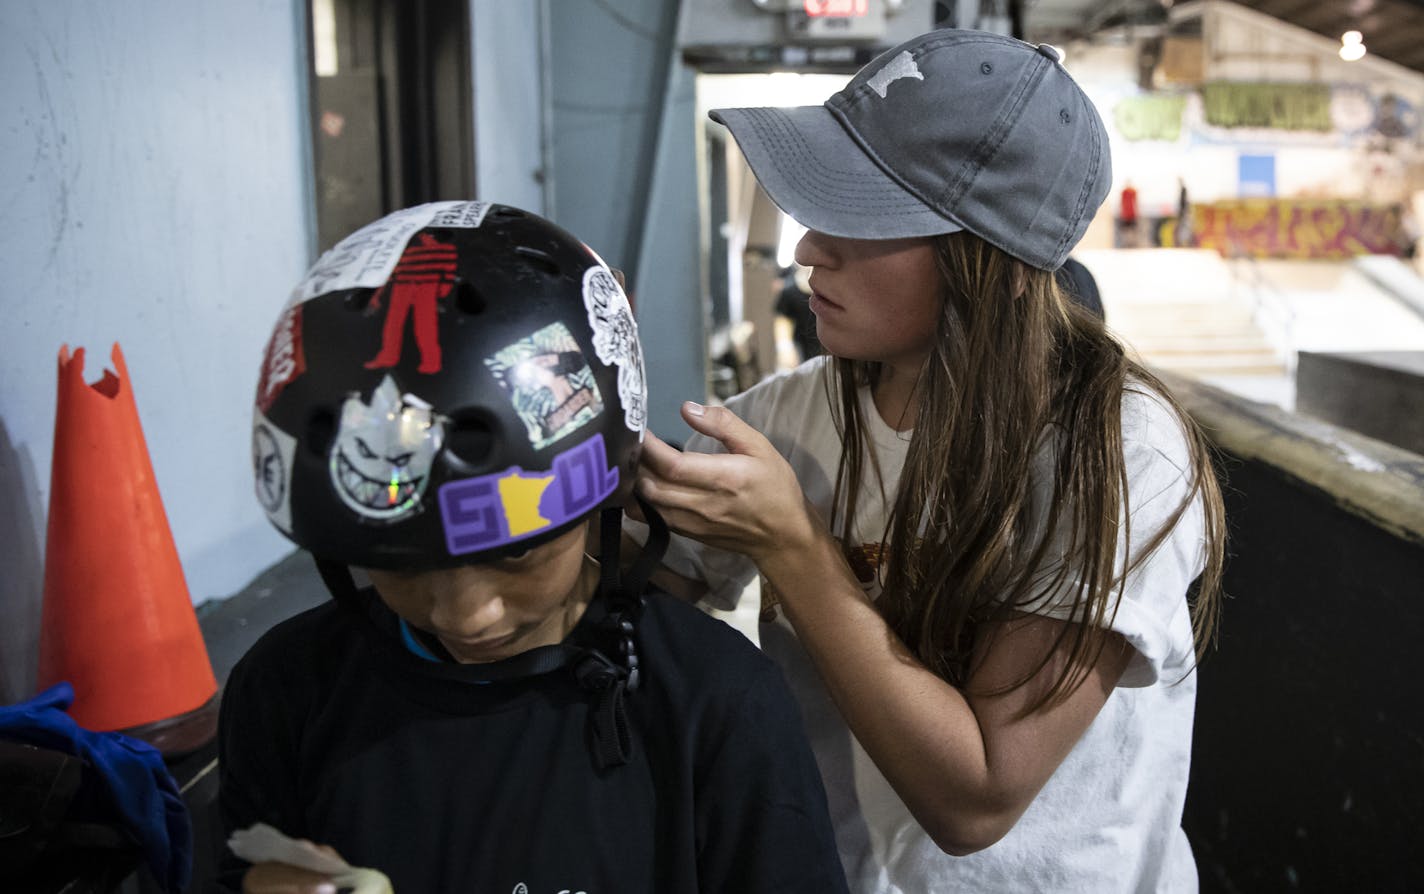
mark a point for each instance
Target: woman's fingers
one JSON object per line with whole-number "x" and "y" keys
{"x": 707, "y": 471}
{"x": 741, "y": 500}
{"x": 724, "y": 425}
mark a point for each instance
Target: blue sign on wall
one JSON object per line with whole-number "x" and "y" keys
{"x": 1256, "y": 176}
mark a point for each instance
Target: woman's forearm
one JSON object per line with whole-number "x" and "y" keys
{"x": 966, "y": 763}
{"x": 920, "y": 731}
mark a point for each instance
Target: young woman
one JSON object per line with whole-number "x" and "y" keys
{"x": 977, "y": 522}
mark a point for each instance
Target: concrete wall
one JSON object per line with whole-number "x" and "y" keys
{"x": 1376, "y": 393}
{"x": 155, "y": 186}
{"x": 1305, "y": 754}
{"x": 510, "y": 103}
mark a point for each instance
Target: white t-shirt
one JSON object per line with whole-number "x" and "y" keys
{"x": 1109, "y": 819}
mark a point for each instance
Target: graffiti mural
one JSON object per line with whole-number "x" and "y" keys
{"x": 1298, "y": 228}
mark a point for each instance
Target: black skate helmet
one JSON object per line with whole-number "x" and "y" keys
{"x": 453, "y": 383}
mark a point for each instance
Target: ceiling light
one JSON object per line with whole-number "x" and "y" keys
{"x": 1352, "y": 46}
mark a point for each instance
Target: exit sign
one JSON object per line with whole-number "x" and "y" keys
{"x": 816, "y": 9}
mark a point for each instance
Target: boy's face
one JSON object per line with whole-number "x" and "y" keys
{"x": 495, "y": 610}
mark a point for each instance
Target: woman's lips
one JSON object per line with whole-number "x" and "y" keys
{"x": 821, "y": 304}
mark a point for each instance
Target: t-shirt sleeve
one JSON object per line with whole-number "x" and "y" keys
{"x": 1151, "y": 609}
{"x": 257, "y": 771}
{"x": 762, "y": 820}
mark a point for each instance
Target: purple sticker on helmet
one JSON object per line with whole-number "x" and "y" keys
{"x": 494, "y": 510}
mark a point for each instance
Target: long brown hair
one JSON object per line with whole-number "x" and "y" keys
{"x": 1014, "y": 362}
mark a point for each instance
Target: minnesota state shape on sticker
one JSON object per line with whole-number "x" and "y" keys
{"x": 490, "y": 511}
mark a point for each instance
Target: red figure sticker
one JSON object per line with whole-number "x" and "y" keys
{"x": 424, "y": 274}
{"x": 284, "y": 360}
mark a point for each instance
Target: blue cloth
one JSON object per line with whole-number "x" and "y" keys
{"x": 143, "y": 794}
{"x": 413, "y": 644}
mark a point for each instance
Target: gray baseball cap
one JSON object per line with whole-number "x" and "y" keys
{"x": 952, "y": 130}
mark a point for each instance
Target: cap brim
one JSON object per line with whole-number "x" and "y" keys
{"x": 815, "y": 172}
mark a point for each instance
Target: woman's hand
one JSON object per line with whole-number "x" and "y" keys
{"x": 746, "y": 500}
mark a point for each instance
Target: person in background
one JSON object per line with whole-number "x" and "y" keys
{"x": 1184, "y": 237}
{"x": 1077, "y": 283}
{"x": 976, "y": 522}
{"x": 793, "y": 304}
{"x": 1127, "y": 217}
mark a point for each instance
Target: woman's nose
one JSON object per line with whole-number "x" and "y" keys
{"x": 816, "y": 249}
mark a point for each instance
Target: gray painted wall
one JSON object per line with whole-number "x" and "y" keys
{"x": 509, "y": 102}
{"x": 155, "y": 173}
{"x": 155, "y": 193}
{"x": 624, "y": 163}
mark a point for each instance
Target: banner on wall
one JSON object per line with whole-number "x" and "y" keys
{"x": 1151, "y": 116}
{"x": 1298, "y": 228}
{"x": 1275, "y": 106}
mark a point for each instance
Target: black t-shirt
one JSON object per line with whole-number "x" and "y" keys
{"x": 332, "y": 730}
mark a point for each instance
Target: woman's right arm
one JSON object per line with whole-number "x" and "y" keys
{"x": 966, "y": 767}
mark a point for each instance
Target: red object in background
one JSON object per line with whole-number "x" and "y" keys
{"x": 1128, "y": 213}
{"x": 117, "y": 621}
{"x": 835, "y": 8}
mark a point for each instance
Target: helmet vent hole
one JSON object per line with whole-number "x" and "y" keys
{"x": 470, "y": 440}
{"x": 358, "y": 299}
{"x": 540, "y": 260}
{"x": 504, "y": 211}
{"x": 468, "y": 299}
{"x": 321, "y": 429}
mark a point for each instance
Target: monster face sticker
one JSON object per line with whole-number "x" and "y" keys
{"x": 549, "y": 383}
{"x": 615, "y": 340}
{"x": 381, "y": 456}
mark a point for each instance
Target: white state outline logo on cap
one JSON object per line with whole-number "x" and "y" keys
{"x": 902, "y": 66}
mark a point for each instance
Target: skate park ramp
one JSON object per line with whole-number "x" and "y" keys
{"x": 1238, "y": 323}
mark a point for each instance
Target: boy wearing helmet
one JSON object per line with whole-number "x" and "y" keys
{"x": 501, "y": 711}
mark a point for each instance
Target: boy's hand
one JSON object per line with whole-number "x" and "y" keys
{"x": 282, "y": 865}
{"x": 282, "y": 878}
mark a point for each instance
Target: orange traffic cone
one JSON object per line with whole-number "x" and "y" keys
{"x": 117, "y": 621}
